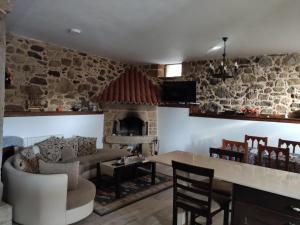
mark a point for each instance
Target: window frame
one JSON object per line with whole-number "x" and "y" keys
{"x": 165, "y": 72}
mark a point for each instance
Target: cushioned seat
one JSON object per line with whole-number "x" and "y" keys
{"x": 222, "y": 187}
{"x": 83, "y": 194}
{"x": 217, "y": 202}
{"x": 89, "y": 162}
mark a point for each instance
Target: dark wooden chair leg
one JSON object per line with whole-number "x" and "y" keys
{"x": 208, "y": 221}
{"x": 175, "y": 213}
{"x": 186, "y": 218}
{"x": 226, "y": 215}
{"x": 193, "y": 219}
{"x": 153, "y": 173}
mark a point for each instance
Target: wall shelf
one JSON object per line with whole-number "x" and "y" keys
{"x": 176, "y": 105}
{"x": 264, "y": 118}
{"x": 66, "y": 113}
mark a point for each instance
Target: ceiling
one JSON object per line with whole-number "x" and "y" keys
{"x": 162, "y": 31}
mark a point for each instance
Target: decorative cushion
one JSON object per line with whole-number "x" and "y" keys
{"x": 27, "y": 160}
{"x": 68, "y": 154}
{"x": 86, "y": 145}
{"x": 70, "y": 143}
{"x": 50, "y": 149}
{"x": 71, "y": 169}
{"x": 20, "y": 163}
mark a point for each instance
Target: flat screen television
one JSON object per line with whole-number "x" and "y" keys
{"x": 179, "y": 91}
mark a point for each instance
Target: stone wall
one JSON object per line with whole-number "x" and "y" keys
{"x": 2, "y": 72}
{"x": 54, "y": 75}
{"x": 60, "y": 76}
{"x": 271, "y": 83}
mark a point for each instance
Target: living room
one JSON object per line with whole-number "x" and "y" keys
{"x": 102, "y": 102}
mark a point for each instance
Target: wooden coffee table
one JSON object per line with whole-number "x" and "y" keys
{"x": 116, "y": 170}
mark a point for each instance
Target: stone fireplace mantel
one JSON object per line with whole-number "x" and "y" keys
{"x": 129, "y": 139}
{"x": 146, "y": 141}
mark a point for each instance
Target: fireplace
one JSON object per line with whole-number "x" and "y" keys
{"x": 130, "y": 113}
{"x": 130, "y": 125}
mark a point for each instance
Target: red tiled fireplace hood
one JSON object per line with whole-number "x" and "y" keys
{"x": 132, "y": 87}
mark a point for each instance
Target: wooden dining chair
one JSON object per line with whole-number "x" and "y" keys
{"x": 222, "y": 187}
{"x": 254, "y": 141}
{"x": 192, "y": 192}
{"x": 292, "y": 145}
{"x": 273, "y": 157}
{"x": 237, "y": 147}
{"x": 230, "y": 155}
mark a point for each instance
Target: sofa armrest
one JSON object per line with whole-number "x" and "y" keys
{"x": 36, "y": 199}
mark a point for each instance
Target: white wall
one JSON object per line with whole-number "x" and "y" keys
{"x": 39, "y": 126}
{"x": 178, "y": 131}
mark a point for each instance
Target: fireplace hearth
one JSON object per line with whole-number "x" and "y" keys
{"x": 130, "y": 126}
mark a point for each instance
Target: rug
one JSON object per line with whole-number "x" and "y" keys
{"x": 131, "y": 191}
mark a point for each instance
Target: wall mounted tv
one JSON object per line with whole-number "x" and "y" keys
{"x": 179, "y": 91}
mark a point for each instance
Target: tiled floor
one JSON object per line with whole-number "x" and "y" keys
{"x": 155, "y": 210}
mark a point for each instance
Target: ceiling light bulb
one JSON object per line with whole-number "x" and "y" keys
{"x": 217, "y": 47}
{"x": 75, "y": 31}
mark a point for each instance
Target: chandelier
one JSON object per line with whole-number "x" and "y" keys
{"x": 223, "y": 71}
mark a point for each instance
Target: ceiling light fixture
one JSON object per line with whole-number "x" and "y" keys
{"x": 223, "y": 72}
{"x": 74, "y": 31}
{"x": 215, "y": 48}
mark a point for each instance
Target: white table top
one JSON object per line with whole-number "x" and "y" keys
{"x": 261, "y": 178}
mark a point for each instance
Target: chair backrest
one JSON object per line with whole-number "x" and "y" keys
{"x": 192, "y": 186}
{"x": 292, "y": 145}
{"x": 226, "y": 154}
{"x": 282, "y": 155}
{"x": 237, "y": 147}
{"x": 254, "y": 141}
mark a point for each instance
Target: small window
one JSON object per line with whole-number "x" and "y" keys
{"x": 173, "y": 70}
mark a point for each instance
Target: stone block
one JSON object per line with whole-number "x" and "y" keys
{"x": 265, "y": 61}
{"x": 291, "y": 60}
{"x": 294, "y": 81}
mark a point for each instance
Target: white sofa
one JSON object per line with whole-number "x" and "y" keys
{"x": 43, "y": 199}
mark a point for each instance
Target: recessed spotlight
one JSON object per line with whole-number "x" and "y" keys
{"x": 215, "y": 48}
{"x": 74, "y": 31}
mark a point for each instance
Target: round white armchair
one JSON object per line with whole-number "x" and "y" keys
{"x": 44, "y": 199}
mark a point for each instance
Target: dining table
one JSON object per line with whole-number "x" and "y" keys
{"x": 260, "y": 195}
